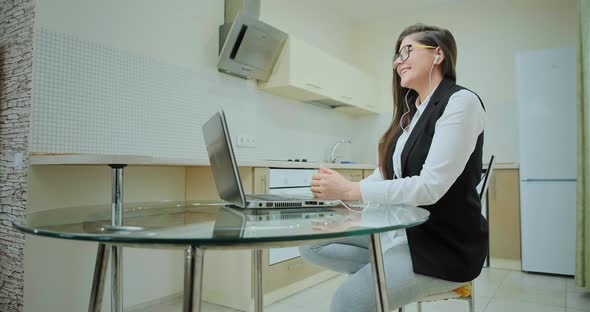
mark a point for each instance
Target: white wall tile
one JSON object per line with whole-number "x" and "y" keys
{"x": 90, "y": 98}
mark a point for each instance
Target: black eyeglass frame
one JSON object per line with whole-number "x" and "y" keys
{"x": 409, "y": 48}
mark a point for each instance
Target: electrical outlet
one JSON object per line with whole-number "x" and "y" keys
{"x": 251, "y": 141}
{"x": 246, "y": 141}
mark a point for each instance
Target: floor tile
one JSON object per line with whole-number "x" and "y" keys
{"x": 571, "y": 286}
{"x": 533, "y": 288}
{"x": 498, "y": 305}
{"x": 451, "y": 305}
{"x": 578, "y": 300}
{"x": 488, "y": 282}
{"x": 286, "y": 307}
{"x": 496, "y": 291}
{"x": 537, "y": 281}
{"x": 317, "y": 298}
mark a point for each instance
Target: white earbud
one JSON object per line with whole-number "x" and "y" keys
{"x": 436, "y": 58}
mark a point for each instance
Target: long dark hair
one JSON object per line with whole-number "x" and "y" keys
{"x": 427, "y": 35}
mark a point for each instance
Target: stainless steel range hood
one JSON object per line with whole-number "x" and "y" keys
{"x": 248, "y": 47}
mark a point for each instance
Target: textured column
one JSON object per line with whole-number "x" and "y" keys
{"x": 16, "y": 75}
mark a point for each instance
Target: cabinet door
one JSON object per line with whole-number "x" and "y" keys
{"x": 504, "y": 215}
{"x": 367, "y": 172}
{"x": 306, "y": 73}
{"x": 260, "y": 180}
{"x": 286, "y": 273}
{"x": 354, "y": 175}
{"x": 367, "y": 92}
{"x": 352, "y": 86}
{"x": 200, "y": 184}
{"x": 308, "y": 67}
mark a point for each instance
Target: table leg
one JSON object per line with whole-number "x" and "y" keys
{"x": 117, "y": 251}
{"x": 100, "y": 269}
{"x": 258, "y": 297}
{"x": 116, "y": 279}
{"x": 193, "y": 279}
{"x": 117, "y": 195}
{"x": 378, "y": 272}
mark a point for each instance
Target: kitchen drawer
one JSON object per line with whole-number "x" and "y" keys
{"x": 353, "y": 175}
{"x": 290, "y": 177}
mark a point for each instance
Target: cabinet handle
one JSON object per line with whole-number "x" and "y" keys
{"x": 313, "y": 86}
{"x": 346, "y": 97}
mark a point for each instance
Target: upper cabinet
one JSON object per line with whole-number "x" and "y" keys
{"x": 306, "y": 73}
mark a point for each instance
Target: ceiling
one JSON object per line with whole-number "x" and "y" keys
{"x": 365, "y": 10}
{"x": 359, "y": 10}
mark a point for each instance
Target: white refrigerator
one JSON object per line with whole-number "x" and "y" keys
{"x": 546, "y": 96}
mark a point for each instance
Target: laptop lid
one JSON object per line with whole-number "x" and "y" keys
{"x": 223, "y": 161}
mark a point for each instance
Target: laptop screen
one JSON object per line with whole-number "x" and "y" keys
{"x": 222, "y": 159}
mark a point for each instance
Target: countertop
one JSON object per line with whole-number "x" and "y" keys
{"x": 139, "y": 160}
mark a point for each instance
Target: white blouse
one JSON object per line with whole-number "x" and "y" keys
{"x": 455, "y": 137}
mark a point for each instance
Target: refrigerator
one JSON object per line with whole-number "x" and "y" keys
{"x": 546, "y": 100}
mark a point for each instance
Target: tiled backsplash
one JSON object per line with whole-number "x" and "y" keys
{"x": 89, "y": 98}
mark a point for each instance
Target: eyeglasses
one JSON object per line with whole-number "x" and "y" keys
{"x": 404, "y": 53}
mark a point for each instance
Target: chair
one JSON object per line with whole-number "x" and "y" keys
{"x": 483, "y": 189}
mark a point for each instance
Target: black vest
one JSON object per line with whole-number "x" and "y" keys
{"x": 453, "y": 243}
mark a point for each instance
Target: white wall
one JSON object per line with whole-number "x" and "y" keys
{"x": 140, "y": 77}
{"x": 181, "y": 32}
{"x": 488, "y": 34}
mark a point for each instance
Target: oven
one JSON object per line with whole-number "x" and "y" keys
{"x": 288, "y": 182}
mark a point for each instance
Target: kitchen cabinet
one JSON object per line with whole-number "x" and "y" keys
{"x": 351, "y": 174}
{"x": 504, "y": 219}
{"x": 306, "y": 73}
{"x": 367, "y": 172}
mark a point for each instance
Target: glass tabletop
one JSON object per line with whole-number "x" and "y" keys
{"x": 216, "y": 224}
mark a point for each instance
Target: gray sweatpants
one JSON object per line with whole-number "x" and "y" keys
{"x": 357, "y": 293}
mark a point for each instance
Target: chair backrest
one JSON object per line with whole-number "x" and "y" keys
{"x": 485, "y": 180}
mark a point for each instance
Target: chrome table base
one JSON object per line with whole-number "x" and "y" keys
{"x": 193, "y": 278}
{"x": 193, "y": 265}
{"x": 378, "y": 270}
{"x": 100, "y": 269}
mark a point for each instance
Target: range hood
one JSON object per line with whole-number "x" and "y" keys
{"x": 249, "y": 48}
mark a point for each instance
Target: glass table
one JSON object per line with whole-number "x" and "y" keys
{"x": 198, "y": 226}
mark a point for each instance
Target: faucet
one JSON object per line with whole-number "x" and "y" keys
{"x": 332, "y": 156}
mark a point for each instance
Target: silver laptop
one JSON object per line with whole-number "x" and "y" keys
{"x": 227, "y": 177}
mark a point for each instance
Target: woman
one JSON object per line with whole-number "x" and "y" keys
{"x": 431, "y": 156}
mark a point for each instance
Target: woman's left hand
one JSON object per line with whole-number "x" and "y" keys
{"x": 329, "y": 184}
